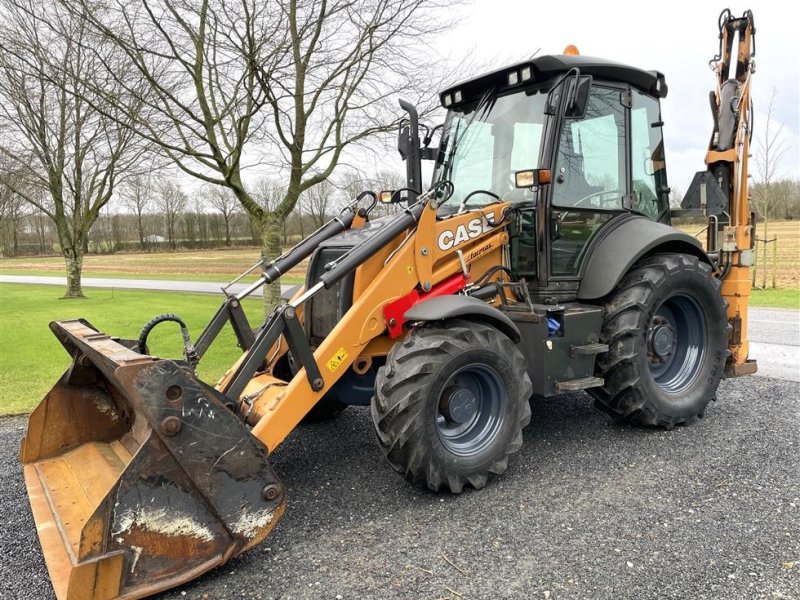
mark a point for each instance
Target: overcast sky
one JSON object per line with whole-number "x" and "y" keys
{"x": 677, "y": 38}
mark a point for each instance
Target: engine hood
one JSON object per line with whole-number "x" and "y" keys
{"x": 355, "y": 237}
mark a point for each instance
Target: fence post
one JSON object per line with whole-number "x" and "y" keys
{"x": 774, "y": 259}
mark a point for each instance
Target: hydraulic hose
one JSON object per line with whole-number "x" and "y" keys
{"x": 188, "y": 348}
{"x": 282, "y": 264}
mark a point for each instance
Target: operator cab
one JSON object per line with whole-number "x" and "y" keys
{"x": 593, "y": 129}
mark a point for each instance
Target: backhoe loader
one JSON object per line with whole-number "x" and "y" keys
{"x": 540, "y": 260}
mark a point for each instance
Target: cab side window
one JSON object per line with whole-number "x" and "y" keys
{"x": 649, "y": 171}
{"x": 590, "y": 167}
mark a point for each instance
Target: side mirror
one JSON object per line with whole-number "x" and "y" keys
{"x": 531, "y": 178}
{"x": 578, "y": 97}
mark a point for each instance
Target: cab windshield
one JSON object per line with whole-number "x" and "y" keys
{"x": 485, "y": 142}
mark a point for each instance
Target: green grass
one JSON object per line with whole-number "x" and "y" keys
{"x": 776, "y": 298}
{"x": 31, "y": 359}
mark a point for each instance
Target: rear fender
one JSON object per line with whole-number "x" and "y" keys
{"x": 622, "y": 245}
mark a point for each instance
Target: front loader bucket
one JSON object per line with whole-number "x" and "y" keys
{"x": 139, "y": 477}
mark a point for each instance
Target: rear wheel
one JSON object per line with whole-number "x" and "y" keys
{"x": 666, "y": 327}
{"x": 450, "y": 405}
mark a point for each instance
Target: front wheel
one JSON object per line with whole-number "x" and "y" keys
{"x": 666, "y": 327}
{"x": 450, "y": 404}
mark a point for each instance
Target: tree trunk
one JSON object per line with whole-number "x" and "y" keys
{"x": 140, "y": 226}
{"x": 227, "y": 232}
{"x": 41, "y": 234}
{"x": 171, "y": 234}
{"x": 73, "y": 257}
{"x": 271, "y": 248}
{"x": 764, "y": 244}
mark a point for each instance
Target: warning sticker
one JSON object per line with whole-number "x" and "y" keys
{"x": 337, "y": 359}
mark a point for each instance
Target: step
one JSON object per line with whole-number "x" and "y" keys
{"x": 578, "y": 384}
{"x": 588, "y": 349}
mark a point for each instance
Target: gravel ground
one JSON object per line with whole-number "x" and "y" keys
{"x": 588, "y": 509}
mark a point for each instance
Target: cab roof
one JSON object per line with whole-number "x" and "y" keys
{"x": 548, "y": 66}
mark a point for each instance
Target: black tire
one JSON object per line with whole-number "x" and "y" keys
{"x": 450, "y": 404}
{"x": 666, "y": 327}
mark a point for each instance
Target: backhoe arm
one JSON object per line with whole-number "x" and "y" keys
{"x": 722, "y": 190}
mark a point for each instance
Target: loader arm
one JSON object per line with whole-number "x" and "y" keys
{"x": 139, "y": 475}
{"x": 425, "y": 260}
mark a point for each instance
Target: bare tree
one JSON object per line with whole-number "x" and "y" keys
{"x": 309, "y": 78}
{"x": 268, "y": 193}
{"x": 352, "y": 182}
{"x": 171, "y": 202}
{"x": 790, "y": 192}
{"x": 13, "y": 211}
{"x": 202, "y": 221}
{"x": 771, "y": 148}
{"x": 50, "y": 127}
{"x": 137, "y": 196}
{"x": 675, "y": 197}
{"x": 41, "y": 225}
{"x": 319, "y": 201}
{"x": 223, "y": 200}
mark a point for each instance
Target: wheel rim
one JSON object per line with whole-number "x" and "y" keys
{"x": 676, "y": 343}
{"x": 471, "y": 409}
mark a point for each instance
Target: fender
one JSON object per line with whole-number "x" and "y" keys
{"x": 622, "y": 245}
{"x": 446, "y": 307}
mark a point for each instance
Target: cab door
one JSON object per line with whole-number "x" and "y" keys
{"x": 590, "y": 178}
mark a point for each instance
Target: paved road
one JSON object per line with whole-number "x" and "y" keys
{"x": 775, "y": 342}
{"x": 587, "y": 509}
{"x": 774, "y": 333}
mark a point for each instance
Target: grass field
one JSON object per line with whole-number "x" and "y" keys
{"x": 31, "y": 359}
{"x": 776, "y": 298}
{"x": 224, "y": 264}
{"x": 195, "y": 265}
{"x": 787, "y": 263}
